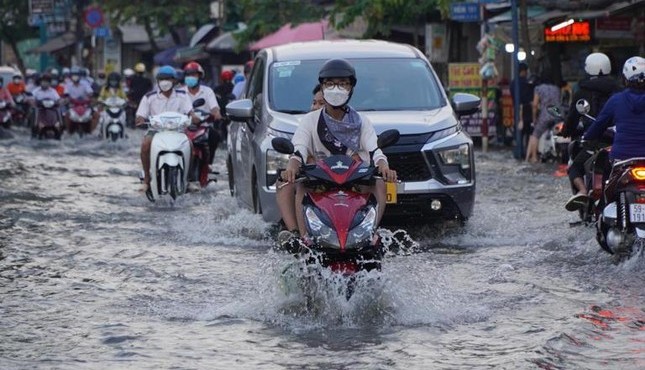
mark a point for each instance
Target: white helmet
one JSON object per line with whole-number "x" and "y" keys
{"x": 634, "y": 69}
{"x": 597, "y": 64}
{"x": 128, "y": 72}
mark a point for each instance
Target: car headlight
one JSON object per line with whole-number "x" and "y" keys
{"x": 456, "y": 156}
{"x": 445, "y": 133}
{"x": 363, "y": 231}
{"x": 318, "y": 230}
{"x": 275, "y": 161}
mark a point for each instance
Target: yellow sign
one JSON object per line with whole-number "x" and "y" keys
{"x": 464, "y": 75}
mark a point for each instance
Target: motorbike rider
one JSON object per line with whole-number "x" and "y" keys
{"x": 596, "y": 89}
{"x": 317, "y": 101}
{"x": 193, "y": 73}
{"x": 5, "y": 94}
{"x": 42, "y": 92}
{"x": 112, "y": 87}
{"x": 165, "y": 99}
{"x": 139, "y": 84}
{"x": 625, "y": 109}
{"x": 334, "y": 129}
{"x": 17, "y": 85}
{"x": 79, "y": 89}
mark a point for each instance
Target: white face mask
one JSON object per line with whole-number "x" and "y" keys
{"x": 336, "y": 96}
{"x": 165, "y": 85}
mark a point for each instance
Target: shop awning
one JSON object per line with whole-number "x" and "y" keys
{"x": 55, "y": 44}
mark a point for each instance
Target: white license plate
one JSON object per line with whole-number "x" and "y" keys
{"x": 637, "y": 213}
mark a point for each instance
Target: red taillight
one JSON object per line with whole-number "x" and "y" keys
{"x": 638, "y": 173}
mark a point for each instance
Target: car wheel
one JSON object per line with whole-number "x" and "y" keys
{"x": 231, "y": 178}
{"x": 257, "y": 207}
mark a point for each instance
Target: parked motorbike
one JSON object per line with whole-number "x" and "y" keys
{"x": 80, "y": 116}
{"x": 199, "y": 135}
{"x": 47, "y": 122}
{"x": 113, "y": 118}
{"x": 340, "y": 220}
{"x": 169, "y": 155}
{"x": 551, "y": 146}
{"x": 5, "y": 114}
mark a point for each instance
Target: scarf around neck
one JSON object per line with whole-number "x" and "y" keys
{"x": 347, "y": 130}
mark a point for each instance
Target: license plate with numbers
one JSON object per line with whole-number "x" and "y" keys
{"x": 637, "y": 213}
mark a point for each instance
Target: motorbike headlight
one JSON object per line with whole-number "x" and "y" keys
{"x": 3, "y": 104}
{"x": 319, "y": 230}
{"x": 456, "y": 156}
{"x": 365, "y": 230}
{"x": 275, "y": 161}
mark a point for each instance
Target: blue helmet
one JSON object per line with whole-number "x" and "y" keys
{"x": 238, "y": 78}
{"x": 165, "y": 72}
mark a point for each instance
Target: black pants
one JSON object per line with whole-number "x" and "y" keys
{"x": 213, "y": 141}
{"x": 577, "y": 167}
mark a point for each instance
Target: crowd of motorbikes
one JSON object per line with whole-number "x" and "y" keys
{"x": 616, "y": 206}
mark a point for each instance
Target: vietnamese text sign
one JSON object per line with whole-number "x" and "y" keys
{"x": 576, "y": 32}
{"x": 464, "y": 75}
{"x": 464, "y": 12}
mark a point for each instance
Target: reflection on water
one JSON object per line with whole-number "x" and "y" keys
{"x": 95, "y": 276}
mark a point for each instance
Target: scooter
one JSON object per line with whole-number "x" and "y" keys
{"x": 80, "y": 116}
{"x": 113, "y": 118}
{"x": 198, "y": 135}
{"x": 551, "y": 146}
{"x": 5, "y": 114}
{"x": 340, "y": 220}
{"x": 621, "y": 220}
{"x": 169, "y": 155}
{"x": 47, "y": 121}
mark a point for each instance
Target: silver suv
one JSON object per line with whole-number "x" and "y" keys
{"x": 397, "y": 88}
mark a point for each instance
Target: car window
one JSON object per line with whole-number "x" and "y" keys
{"x": 257, "y": 76}
{"x": 387, "y": 84}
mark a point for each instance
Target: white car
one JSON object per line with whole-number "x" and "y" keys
{"x": 397, "y": 89}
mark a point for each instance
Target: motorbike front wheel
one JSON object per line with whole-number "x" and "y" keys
{"x": 172, "y": 184}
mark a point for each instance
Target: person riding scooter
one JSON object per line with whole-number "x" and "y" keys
{"x": 626, "y": 110}
{"x": 165, "y": 99}
{"x": 193, "y": 73}
{"x": 335, "y": 129}
{"x": 595, "y": 89}
{"x": 79, "y": 92}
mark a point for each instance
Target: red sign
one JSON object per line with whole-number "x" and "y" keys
{"x": 575, "y": 32}
{"x": 93, "y": 17}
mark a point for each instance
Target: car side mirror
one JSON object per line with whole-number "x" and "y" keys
{"x": 554, "y": 111}
{"x": 388, "y": 138}
{"x": 465, "y": 104}
{"x": 282, "y": 145}
{"x": 240, "y": 110}
{"x": 199, "y": 102}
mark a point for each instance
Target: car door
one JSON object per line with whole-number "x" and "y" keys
{"x": 248, "y": 129}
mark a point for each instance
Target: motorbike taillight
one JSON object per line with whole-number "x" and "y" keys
{"x": 638, "y": 173}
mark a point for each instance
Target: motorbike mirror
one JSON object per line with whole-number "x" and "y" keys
{"x": 282, "y": 145}
{"x": 388, "y": 138}
{"x": 582, "y": 106}
{"x": 554, "y": 111}
{"x": 199, "y": 102}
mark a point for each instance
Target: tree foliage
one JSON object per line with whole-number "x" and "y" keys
{"x": 14, "y": 26}
{"x": 159, "y": 17}
{"x": 381, "y": 15}
{"x": 263, "y": 17}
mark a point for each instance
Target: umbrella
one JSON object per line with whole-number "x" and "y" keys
{"x": 286, "y": 34}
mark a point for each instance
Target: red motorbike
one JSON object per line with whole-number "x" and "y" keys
{"x": 198, "y": 135}
{"x": 340, "y": 219}
{"x": 21, "y": 110}
{"x": 80, "y": 116}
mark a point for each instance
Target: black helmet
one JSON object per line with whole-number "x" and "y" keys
{"x": 337, "y": 68}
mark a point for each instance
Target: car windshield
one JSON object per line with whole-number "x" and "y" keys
{"x": 383, "y": 85}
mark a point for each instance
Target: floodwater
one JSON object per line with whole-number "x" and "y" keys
{"x": 93, "y": 276}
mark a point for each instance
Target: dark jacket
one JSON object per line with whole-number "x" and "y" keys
{"x": 526, "y": 98}
{"x": 596, "y": 91}
{"x": 139, "y": 86}
{"x": 626, "y": 110}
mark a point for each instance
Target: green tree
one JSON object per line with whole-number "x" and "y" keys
{"x": 160, "y": 17}
{"x": 264, "y": 17}
{"x": 13, "y": 25}
{"x": 381, "y": 15}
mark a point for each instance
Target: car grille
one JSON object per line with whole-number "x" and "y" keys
{"x": 409, "y": 166}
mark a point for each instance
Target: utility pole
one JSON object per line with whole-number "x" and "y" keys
{"x": 80, "y": 34}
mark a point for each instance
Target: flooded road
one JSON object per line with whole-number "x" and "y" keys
{"x": 93, "y": 276}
